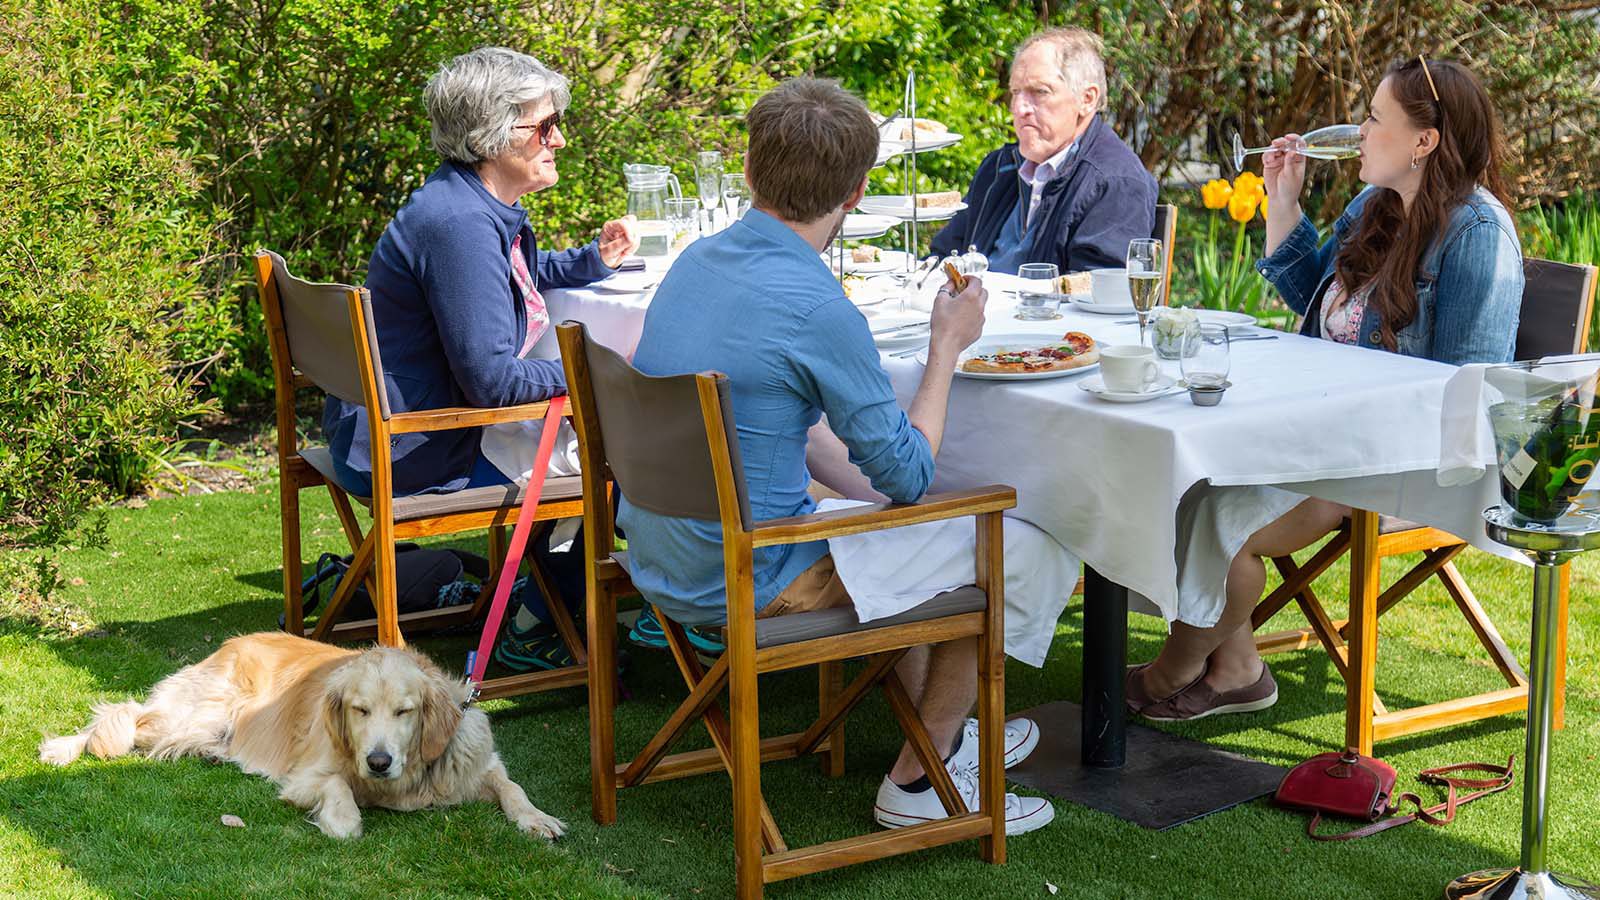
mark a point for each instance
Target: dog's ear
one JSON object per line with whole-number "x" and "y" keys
{"x": 441, "y": 716}
{"x": 334, "y": 717}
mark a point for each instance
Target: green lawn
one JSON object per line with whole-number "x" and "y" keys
{"x": 181, "y": 575}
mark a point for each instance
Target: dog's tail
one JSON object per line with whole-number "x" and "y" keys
{"x": 111, "y": 733}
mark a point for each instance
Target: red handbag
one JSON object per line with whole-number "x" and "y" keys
{"x": 1353, "y": 786}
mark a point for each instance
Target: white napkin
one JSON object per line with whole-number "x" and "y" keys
{"x": 513, "y": 447}
{"x": 889, "y": 572}
{"x": 1466, "y": 442}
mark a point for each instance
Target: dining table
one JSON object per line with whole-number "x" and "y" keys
{"x": 1155, "y": 497}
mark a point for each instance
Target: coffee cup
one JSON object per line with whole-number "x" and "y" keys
{"x": 1128, "y": 368}
{"x": 1109, "y": 287}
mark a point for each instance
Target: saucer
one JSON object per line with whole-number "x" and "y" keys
{"x": 1161, "y": 387}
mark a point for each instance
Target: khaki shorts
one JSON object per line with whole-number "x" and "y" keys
{"x": 818, "y": 587}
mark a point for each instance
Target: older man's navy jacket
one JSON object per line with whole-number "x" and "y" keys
{"x": 450, "y": 323}
{"x": 1101, "y": 199}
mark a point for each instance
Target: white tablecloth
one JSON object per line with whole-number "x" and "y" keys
{"x": 1157, "y": 496}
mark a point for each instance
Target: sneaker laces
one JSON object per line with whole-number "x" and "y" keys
{"x": 966, "y": 781}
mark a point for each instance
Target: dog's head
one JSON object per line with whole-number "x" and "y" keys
{"x": 388, "y": 710}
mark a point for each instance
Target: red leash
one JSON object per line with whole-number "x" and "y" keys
{"x": 478, "y": 660}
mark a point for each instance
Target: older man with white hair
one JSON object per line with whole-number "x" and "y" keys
{"x": 1068, "y": 190}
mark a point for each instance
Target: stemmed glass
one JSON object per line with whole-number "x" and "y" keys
{"x": 708, "y": 181}
{"x": 735, "y": 196}
{"x": 1146, "y": 270}
{"x": 1330, "y": 142}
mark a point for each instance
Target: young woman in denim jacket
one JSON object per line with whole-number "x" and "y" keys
{"x": 1425, "y": 262}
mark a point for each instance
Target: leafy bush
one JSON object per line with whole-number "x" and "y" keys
{"x": 99, "y": 297}
{"x": 1568, "y": 231}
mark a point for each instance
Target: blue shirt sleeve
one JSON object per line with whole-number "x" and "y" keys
{"x": 467, "y": 285}
{"x": 1295, "y": 268}
{"x": 570, "y": 268}
{"x": 1479, "y": 297}
{"x": 834, "y": 361}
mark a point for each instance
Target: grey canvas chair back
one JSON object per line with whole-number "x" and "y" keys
{"x": 654, "y": 434}
{"x": 321, "y": 337}
{"x": 1557, "y": 304}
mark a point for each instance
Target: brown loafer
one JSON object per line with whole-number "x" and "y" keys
{"x": 1198, "y": 700}
{"x": 1138, "y": 698}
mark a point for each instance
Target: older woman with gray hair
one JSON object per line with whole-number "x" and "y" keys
{"x": 456, "y": 277}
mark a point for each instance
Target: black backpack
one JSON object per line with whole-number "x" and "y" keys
{"x": 421, "y": 576}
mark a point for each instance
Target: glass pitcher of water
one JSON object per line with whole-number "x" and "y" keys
{"x": 648, "y": 190}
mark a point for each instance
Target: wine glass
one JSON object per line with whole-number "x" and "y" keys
{"x": 708, "y": 181}
{"x": 1037, "y": 298}
{"x": 1205, "y": 357}
{"x": 1146, "y": 271}
{"x": 1330, "y": 142}
{"x": 735, "y": 196}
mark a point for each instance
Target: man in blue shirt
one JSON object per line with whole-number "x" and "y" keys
{"x": 757, "y": 303}
{"x": 1068, "y": 191}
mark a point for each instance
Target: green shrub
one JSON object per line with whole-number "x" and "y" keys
{"x": 1568, "y": 231}
{"x": 99, "y": 304}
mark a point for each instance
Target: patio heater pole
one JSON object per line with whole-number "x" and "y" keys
{"x": 1549, "y": 549}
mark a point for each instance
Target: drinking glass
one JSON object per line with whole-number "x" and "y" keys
{"x": 1205, "y": 356}
{"x": 708, "y": 181}
{"x": 682, "y": 221}
{"x": 1330, "y": 142}
{"x": 735, "y": 196}
{"x": 1037, "y": 298}
{"x": 1146, "y": 270}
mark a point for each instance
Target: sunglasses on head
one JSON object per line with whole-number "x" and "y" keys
{"x": 543, "y": 127}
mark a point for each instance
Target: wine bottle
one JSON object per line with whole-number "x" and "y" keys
{"x": 1555, "y": 463}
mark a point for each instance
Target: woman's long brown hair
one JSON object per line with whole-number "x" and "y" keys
{"x": 1387, "y": 245}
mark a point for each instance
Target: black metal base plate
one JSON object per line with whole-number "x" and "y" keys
{"x": 1167, "y": 780}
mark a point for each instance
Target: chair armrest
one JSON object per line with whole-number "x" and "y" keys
{"x": 466, "y": 417}
{"x": 883, "y": 516}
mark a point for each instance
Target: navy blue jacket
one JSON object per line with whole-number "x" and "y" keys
{"x": 450, "y": 322}
{"x": 1102, "y": 199}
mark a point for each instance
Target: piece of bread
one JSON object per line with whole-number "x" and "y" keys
{"x": 938, "y": 199}
{"x": 924, "y": 128}
{"x": 1074, "y": 283}
{"x": 864, "y": 254}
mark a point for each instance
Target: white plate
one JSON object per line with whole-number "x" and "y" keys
{"x": 1223, "y": 317}
{"x": 896, "y": 205}
{"x": 888, "y": 261}
{"x": 1086, "y": 304}
{"x": 904, "y": 339}
{"x": 857, "y": 225}
{"x": 1017, "y": 341}
{"x": 1164, "y": 384}
{"x": 871, "y": 291}
{"x": 887, "y": 150}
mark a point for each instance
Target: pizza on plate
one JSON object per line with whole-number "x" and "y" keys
{"x": 1074, "y": 351}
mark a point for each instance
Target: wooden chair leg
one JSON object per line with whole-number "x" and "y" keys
{"x": 559, "y": 616}
{"x": 601, "y": 606}
{"x": 830, "y": 685}
{"x": 750, "y": 813}
{"x": 360, "y": 567}
{"x": 989, "y": 564}
{"x": 917, "y": 735}
{"x": 352, "y": 528}
{"x": 1488, "y": 635}
{"x": 294, "y": 617}
{"x": 1363, "y": 647}
{"x": 848, "y": 699}
{"x": 386, "y": 600}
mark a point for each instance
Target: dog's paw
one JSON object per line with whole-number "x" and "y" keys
{"x": 339, "y": 826}
{"x": 541, "y": 825}
{"x": 61, "y": 751}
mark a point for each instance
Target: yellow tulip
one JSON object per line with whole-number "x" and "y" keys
{"x": 1250, "y": 183}
{"x": 1242, "y": 205}
{"x": 1215, "y": 193}
{"x": 1263, "y": 206}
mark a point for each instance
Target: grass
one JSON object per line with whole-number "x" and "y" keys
{"x": 182, "y": 574}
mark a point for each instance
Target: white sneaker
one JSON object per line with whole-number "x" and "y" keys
{"x": 1021, "y": 736}
{"x": 897, "y": 808}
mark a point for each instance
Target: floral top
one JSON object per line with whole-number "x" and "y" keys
{"x": 1341, "y": 315}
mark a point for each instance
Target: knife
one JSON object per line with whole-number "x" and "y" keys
{"x": 894, "y": 328}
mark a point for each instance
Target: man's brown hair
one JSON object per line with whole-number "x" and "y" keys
{"x": 811, "y": 143}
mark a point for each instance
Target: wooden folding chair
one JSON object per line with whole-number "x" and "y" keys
{"x": 671, "y": 445}
{"x": 1166, "y": 231}
{"x": 323, "y": 336}
{"x": 1557, "y": 305}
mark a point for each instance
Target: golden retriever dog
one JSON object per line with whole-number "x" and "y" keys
{"x": 335, "y": 729}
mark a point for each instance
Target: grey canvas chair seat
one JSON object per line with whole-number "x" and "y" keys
{"x": 424, "y": 506}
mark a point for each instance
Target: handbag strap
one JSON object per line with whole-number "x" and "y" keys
{"x": 1501, "y": 779}
{"x": 478, "y": 660}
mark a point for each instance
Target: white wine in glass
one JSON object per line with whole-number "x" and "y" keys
{"x": 1146, "y": 269}
{"x": 1331, "y": 142}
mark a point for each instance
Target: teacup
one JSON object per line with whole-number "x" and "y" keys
{"x": 1109, "y": 287}
{"x": 1128, "y": 368}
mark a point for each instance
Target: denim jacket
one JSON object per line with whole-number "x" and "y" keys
{"x": 1469, "y": 283}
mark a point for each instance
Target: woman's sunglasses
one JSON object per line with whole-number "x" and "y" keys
{"x": 549, "y": 124}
